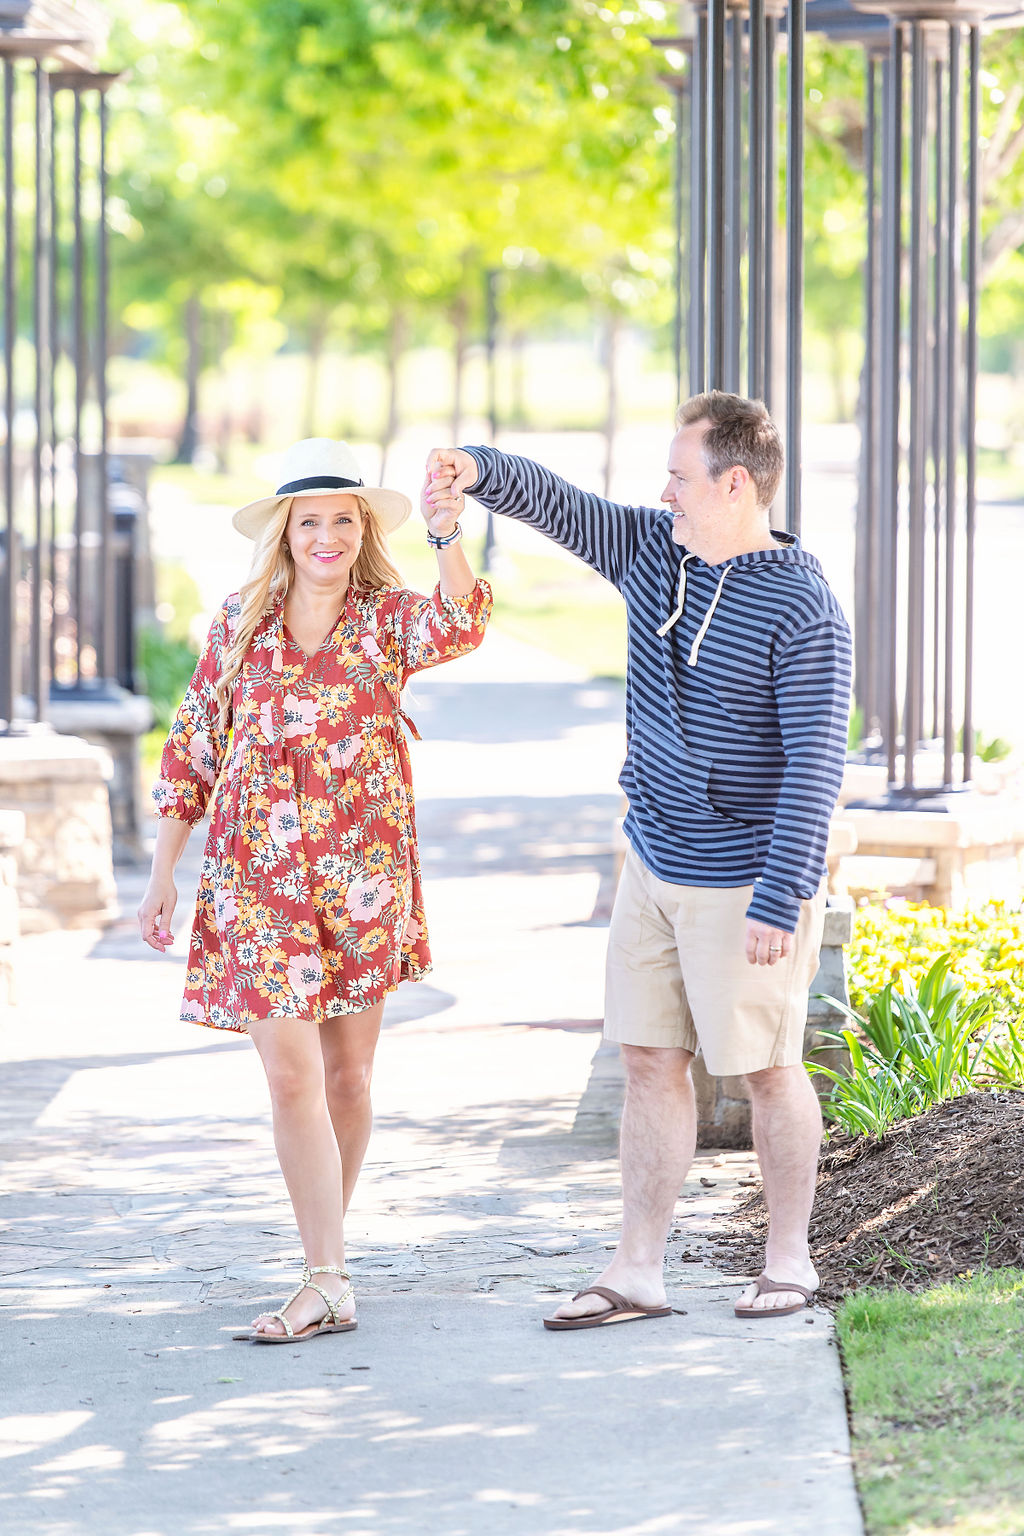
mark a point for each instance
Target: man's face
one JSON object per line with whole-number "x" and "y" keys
{"x": 698, "y": 503}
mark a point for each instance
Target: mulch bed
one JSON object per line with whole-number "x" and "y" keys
{"x": 937, "y": 1195}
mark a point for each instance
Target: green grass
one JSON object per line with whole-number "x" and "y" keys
{"x": 935, "y": 1383}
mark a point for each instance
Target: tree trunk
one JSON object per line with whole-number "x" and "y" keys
{"x": 611, "y": 420}
{"x": 460, "y": 326}
{"x": 396, "y": 346}
{"x": 224, "y": 422}
{"x": 316, "y": 337}
{"x": 188, "y": 439}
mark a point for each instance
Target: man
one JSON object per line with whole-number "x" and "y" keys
{"x": 737, "y": 698}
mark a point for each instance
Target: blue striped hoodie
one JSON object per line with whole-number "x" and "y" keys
{"x": 737, "y": 691}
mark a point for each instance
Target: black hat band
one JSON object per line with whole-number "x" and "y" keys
{"x": 318, "y": 483}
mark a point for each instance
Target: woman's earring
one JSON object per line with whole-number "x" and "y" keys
{"x": 285, "y": 546}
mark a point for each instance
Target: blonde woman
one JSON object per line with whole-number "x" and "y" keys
{"x": 310, "y": 906}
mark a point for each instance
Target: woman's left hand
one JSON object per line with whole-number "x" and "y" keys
{"x": 440, "y": 505}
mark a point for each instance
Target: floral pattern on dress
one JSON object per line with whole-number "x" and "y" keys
{"x": 310, "y": 900}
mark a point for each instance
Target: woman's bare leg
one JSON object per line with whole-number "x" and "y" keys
{"x": 348, "y": 1044}
{"x": 308, "y": 1154}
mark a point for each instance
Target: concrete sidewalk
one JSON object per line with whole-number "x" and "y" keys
{"x": 144, "y": 1218}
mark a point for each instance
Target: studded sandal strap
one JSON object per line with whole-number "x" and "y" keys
{"x": 289, "y": 1330}
{"x": 332, "y": 1305}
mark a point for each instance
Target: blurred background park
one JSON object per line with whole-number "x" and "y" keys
{"x": 454, "y": 220}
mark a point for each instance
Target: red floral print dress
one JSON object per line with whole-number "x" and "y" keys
{"x": 310, "y": 902}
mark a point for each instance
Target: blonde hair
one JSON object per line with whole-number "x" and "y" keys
{"x": 270, "y": 577}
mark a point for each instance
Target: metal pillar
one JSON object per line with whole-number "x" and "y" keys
{"x": 759, "y": 301}
{"x": 105, "y": 633}
{"x": 971, "y": 376}
{"x": 42, "y": 576}
{"x": 794, "y": 259}
{"x": 732, "y": 276}
{"x": 717, "y": 277}
{"x": 925, "y": 360}
{"x": 918, "y": 424}
{"x": 8, "y": 587}
{"x": 697, "y": 338}
{"x": 951, "y": 434}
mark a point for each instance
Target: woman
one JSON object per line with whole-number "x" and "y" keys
{"x": 310, "y": 907}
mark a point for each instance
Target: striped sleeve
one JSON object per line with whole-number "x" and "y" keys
{"x": 603, "y": 534}
{"x": 812, "y": 677}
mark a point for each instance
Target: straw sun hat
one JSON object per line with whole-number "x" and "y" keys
{"x": 319, "y": 466}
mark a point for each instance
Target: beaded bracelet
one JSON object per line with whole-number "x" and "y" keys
{"x": 441, "y": 541}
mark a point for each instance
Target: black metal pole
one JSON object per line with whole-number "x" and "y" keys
{"x": 918, "y": 423}
{"x": 78, "y": 309}
{"x": 757, "y": 300}
{"x": 680, "y": 102}
{"x": 892, "y": 252}
{"x": 55, "y": 573}
{"x": 794, "y": 260}
{"x": 697, "y": 348}
{"x": 970, "y": 391}
{"x": 866, "y": 556}
{"x": 733, "y": 205}
{"x": 42, "y": 574}
{"x": 771, "y": 200}
{"x": 937, "y": 384}
{"x": 491, "y": 298}
{"x": 716, "y": 122}
{"x": 106, "y": 634}
{"x": 954, "y": 137}
{"x": 8, "y": 589}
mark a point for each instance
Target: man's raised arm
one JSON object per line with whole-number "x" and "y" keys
{"x": 602, "y": 533}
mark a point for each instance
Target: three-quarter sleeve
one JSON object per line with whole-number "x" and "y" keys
{"x": 435, "y": 629}
{"x": 196, "y": 746}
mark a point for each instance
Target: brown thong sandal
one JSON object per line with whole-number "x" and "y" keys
{"x": 764, "y": 1286}
{"x": 329, "y": 1323}
{"x": 619, "y": 1311}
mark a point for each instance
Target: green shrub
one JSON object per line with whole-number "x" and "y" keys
{"x": 166, "y": 666}
{"x": 918, "y": 1044}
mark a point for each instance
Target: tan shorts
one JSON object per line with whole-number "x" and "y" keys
{"x": 678, "y": 974}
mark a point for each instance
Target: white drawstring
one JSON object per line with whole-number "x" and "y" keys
{"x": 691, "y": 660}
{"x": 680, "y": 600}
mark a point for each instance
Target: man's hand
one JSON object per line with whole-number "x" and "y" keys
{"x": 765, "y": 945}
{"x": 452, "y": 469}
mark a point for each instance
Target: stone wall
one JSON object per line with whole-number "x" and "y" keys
{"x": 65, "y": 876}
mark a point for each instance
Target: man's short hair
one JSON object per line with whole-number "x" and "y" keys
{"x": 741, "y": 432}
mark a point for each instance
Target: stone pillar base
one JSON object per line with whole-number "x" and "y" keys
{"x": 65, "y": 876}
{"x": 113, "y": 721}
{"x": 723, "y": 1107}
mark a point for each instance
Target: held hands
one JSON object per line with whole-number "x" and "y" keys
{"x": 450, "y": 473}
{"x": 155, "y": 915}
{"x": 766, "y": 945}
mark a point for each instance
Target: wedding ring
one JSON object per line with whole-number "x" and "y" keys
{"x": 774, "y": 949}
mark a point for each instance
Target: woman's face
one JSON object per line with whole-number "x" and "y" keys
{"x": 324, "y": 534}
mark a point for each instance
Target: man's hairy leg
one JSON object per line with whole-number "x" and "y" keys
{"x": 787, "y": 1135}
{"x": 656, "y": 1147}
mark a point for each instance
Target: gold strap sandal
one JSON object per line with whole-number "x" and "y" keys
{"x": 329, "y": 1323}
